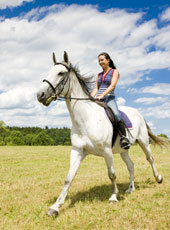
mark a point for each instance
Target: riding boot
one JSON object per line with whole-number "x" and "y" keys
{"x": 124, "y": 141}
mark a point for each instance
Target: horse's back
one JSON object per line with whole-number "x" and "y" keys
{"x": 139, "y": 129}
{"x": 133, "y": 114}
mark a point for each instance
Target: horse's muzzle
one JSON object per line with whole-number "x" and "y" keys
{"x": 41, "y": 96}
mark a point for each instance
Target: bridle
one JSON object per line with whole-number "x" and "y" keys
{"x": 62, "y": 84}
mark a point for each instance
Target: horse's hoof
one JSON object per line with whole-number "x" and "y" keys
{"x": 113, "y": 199}
{"x": 130, "y": 190}
{"x": 112, "y": 202}
{"x": 52, "y": 212}
{"x": 160, "y": 180}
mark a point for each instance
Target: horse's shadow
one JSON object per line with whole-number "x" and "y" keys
{"x": 101, "y": 193}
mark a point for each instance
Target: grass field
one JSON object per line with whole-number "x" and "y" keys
{"x": 31, "y": 179}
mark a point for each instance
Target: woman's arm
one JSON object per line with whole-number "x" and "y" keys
{"x": 113, "y": 83}
{"x": 95, "y": 90}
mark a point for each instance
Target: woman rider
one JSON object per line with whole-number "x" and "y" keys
{"x": 104, "y": 90}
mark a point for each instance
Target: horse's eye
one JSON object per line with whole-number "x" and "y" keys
{"x": 61, "y": 73}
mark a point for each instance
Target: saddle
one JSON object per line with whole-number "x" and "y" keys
{"x": 113, "y": 121}
{"x": 126, "y": 121}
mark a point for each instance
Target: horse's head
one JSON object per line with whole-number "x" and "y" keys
{"x": 56, "y": 83}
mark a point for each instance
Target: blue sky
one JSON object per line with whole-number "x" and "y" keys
{"x": 135, "y": 33}
{"x": 152, "y": 7}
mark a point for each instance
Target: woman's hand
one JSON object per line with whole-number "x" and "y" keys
{"x": 99, "y": 97}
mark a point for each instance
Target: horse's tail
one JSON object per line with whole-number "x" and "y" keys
{"x": 161, "y": 141}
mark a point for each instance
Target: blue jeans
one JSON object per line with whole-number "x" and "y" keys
{"x": 111, "y": 102}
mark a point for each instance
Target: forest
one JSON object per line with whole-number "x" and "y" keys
{"x": 36, "y": 136}
{"x": 33, "y": 136}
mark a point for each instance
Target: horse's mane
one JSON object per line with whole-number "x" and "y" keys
{"x": 87, "y": 83}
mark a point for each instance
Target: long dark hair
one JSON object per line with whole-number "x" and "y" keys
{"x": 111, "y": 63}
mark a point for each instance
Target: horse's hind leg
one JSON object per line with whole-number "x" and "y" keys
{"x": 130, "y": 166}
{"x": 147, "y": 151}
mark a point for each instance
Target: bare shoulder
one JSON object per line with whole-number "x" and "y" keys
{"x": 116, "y": 72}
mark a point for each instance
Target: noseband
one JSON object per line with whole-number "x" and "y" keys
{"x": 61, "y": 84}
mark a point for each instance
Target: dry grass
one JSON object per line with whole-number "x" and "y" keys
{"x": 32, "y": 177}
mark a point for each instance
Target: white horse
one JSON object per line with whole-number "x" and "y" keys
{"x": 91, "y": 129}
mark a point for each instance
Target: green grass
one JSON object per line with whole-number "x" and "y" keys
{"x": 31, "y": 179}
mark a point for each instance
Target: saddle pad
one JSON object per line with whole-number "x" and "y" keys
{"x": 126, "y": 119}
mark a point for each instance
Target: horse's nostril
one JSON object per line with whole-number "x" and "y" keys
{"x": 42, "y": 95}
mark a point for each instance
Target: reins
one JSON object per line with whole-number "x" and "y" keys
{"x": 76, "y": 98}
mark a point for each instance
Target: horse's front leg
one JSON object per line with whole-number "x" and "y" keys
{"x": 75, "y": 160}
{"x": 111, "y": 172}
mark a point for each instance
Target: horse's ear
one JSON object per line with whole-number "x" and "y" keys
{"x": 54, "y": 59}
{"x": 65, "y": 57}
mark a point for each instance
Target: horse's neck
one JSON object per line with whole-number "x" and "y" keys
{"x": 75, "y": 88}
{"x": 76, "y": 107}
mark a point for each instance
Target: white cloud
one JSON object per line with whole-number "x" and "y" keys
{"x": 12, "y": 3}
{"x": 24, "y": 41}
{"x": 59, "y": 109}
{"x": 121, "y": 101}
{"x": 151, "y": 125}
{"x": 165, "y": 16}
{"x": 167, "y": 131}
{"x": 132, "y": 90}
{"x": 162, "y": 42}
{"x": 37, "y": 115}
{"x": 148, "y": 78}
{"x": 151, "y": 100}
{"x": 140, "y": 33}
{"x": 19, "y": 97}
{"x": 160, "y": 112}
{"x": 157, "y": 88}
{"x": 27, "y": 42}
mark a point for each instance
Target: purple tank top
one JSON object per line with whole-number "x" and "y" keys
{"x": 104, "y": 82}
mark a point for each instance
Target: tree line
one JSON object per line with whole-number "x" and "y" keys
{"x": 33, "y": 136}
{"x": 36, "y": 136}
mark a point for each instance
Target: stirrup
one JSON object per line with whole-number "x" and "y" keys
{"x": 124, "y": 143}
